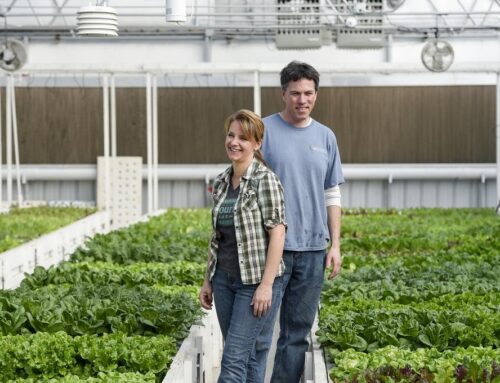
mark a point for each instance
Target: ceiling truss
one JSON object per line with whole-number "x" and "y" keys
{"x": 257, "y": 17}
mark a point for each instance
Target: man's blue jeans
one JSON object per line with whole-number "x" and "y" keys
{"x": 302, "y": 283}
{"x": 240, "y": 327}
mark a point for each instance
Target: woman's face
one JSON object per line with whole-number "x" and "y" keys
{"x": 239, "y": 149}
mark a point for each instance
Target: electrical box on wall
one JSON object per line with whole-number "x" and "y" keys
{"x": 301, "y": 25}
{"x": 363, "y": 29}
{"x": 302, "y": 38}
{"x": 371, "y": 38}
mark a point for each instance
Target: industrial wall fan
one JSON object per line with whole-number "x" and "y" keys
{"x": 12, "y": 55}
{"x": 437, "y": 55}
{"x": 393, "y": 4}
{"x": 12, "y": 52}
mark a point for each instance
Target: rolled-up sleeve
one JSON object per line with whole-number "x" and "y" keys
{"x": 271, "y": 201}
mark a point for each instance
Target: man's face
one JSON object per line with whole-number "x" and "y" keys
{"x": 299, "y": 98}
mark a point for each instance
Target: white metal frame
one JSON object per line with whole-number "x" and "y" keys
{"x": 498, "y": 142}
{"x": 12, "y": 146}
{"x": 150, "y": 73}
{"x": 259, "y": 15}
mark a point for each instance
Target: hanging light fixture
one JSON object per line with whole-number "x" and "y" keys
{"x": 175, "y": 10}
{"x": 97, "y": 20}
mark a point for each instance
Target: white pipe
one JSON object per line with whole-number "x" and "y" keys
{"x": 479, "y": 172}
{"x": 498, "y": 142}
{"x": 155, "y": 10}
{"x": 428, "y": 171}
{"x": 155, "y": 144}
{"x": 8, "y": 143}
{"x": 58, "y": 172}
{"x": 149, "y": 137}
{"x": 256, "y": 93}
{"x": 105, "y": 99}
{"x": 389, "y": 48}
{"x": 262, "y": 12}
{"x": 16, "y": 143}
{"x": 1, "y": 152}
{"x": 273, "y": 68}
{"x": 113, "y": 115}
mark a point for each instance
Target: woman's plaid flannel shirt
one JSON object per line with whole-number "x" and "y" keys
{"x": 260, "y": 206}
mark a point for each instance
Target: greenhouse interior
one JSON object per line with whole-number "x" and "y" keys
{"x": 119, "y": 121}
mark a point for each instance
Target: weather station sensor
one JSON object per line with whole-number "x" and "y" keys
{"x": 176, "y": 11}
{"x": 97, "y": 21}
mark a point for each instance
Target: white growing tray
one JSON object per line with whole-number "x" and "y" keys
{"x": 50, "y": 249}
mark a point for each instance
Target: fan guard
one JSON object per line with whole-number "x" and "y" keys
{"x": 437, "y": 55}
{"x": 12, "y": 55}
{"x": 394, "y": 4}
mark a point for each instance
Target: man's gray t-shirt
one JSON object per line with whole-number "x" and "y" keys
{"x": 307, "y": 162}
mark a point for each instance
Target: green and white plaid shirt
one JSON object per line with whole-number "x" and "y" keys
{"x": 260, "y": 206}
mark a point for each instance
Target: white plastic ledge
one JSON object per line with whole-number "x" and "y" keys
{"x": 50, "y": 249}
{"x": 315, "y": 368}
{"x": 198, "y": 359}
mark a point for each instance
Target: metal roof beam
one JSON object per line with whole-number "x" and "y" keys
{"x": 59, "y": 9}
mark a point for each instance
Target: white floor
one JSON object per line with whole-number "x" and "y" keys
{"x": 272, "y": 351}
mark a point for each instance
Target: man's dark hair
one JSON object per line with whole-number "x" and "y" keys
{"x": 296, "y": 71}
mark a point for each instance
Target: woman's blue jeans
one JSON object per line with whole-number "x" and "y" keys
{"x": 240, "y": 327}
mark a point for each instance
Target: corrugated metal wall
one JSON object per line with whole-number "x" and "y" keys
{"x": 355, "y": 193}
{"x": 445, "y": 124}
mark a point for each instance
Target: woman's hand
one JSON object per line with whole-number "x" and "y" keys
{"x": 262, "y": 299}
{"x": 205, "y": 296}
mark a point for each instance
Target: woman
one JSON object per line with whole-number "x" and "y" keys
{"x": 244, "y": 261}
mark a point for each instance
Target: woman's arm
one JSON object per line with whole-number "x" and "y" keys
{"x": 262, "y": 298}
{"x": 272, "y": 207}
{"x": 205, "y": 295}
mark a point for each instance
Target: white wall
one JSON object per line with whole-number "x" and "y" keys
{"x": 77, "y": 51}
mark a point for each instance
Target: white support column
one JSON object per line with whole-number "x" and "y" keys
{"x": 498, "y": 142}
{"x": 113, "y": 115}
{"x": 155, "y": 143}
{"x": 256, "y": 93}
{"x": 1, "y": 151}
{"x": 149, "y": 123}
{"x": 8, "y": 143}
{"x": 105, "y": 99}
{"x": 16, "y": 143}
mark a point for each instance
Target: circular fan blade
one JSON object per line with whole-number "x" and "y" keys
{"x": 394, "y": 4}
{"x": 437, "y": 55}
{"x": 12, "y": 55}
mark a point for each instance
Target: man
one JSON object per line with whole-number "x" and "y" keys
{"x": 304, "y": 155}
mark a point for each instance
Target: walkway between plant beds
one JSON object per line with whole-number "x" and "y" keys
{"x": 272, "y": 351}
{"x": 198, "y": 359}
{"x": 315, "y": 370}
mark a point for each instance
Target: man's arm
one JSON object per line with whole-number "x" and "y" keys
{"x": 334, "y": 212}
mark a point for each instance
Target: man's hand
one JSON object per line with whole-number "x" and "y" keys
{"x": 333, "y": 258}
{"x": 206, "y": 295}
{"x": 334, "y": 261}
